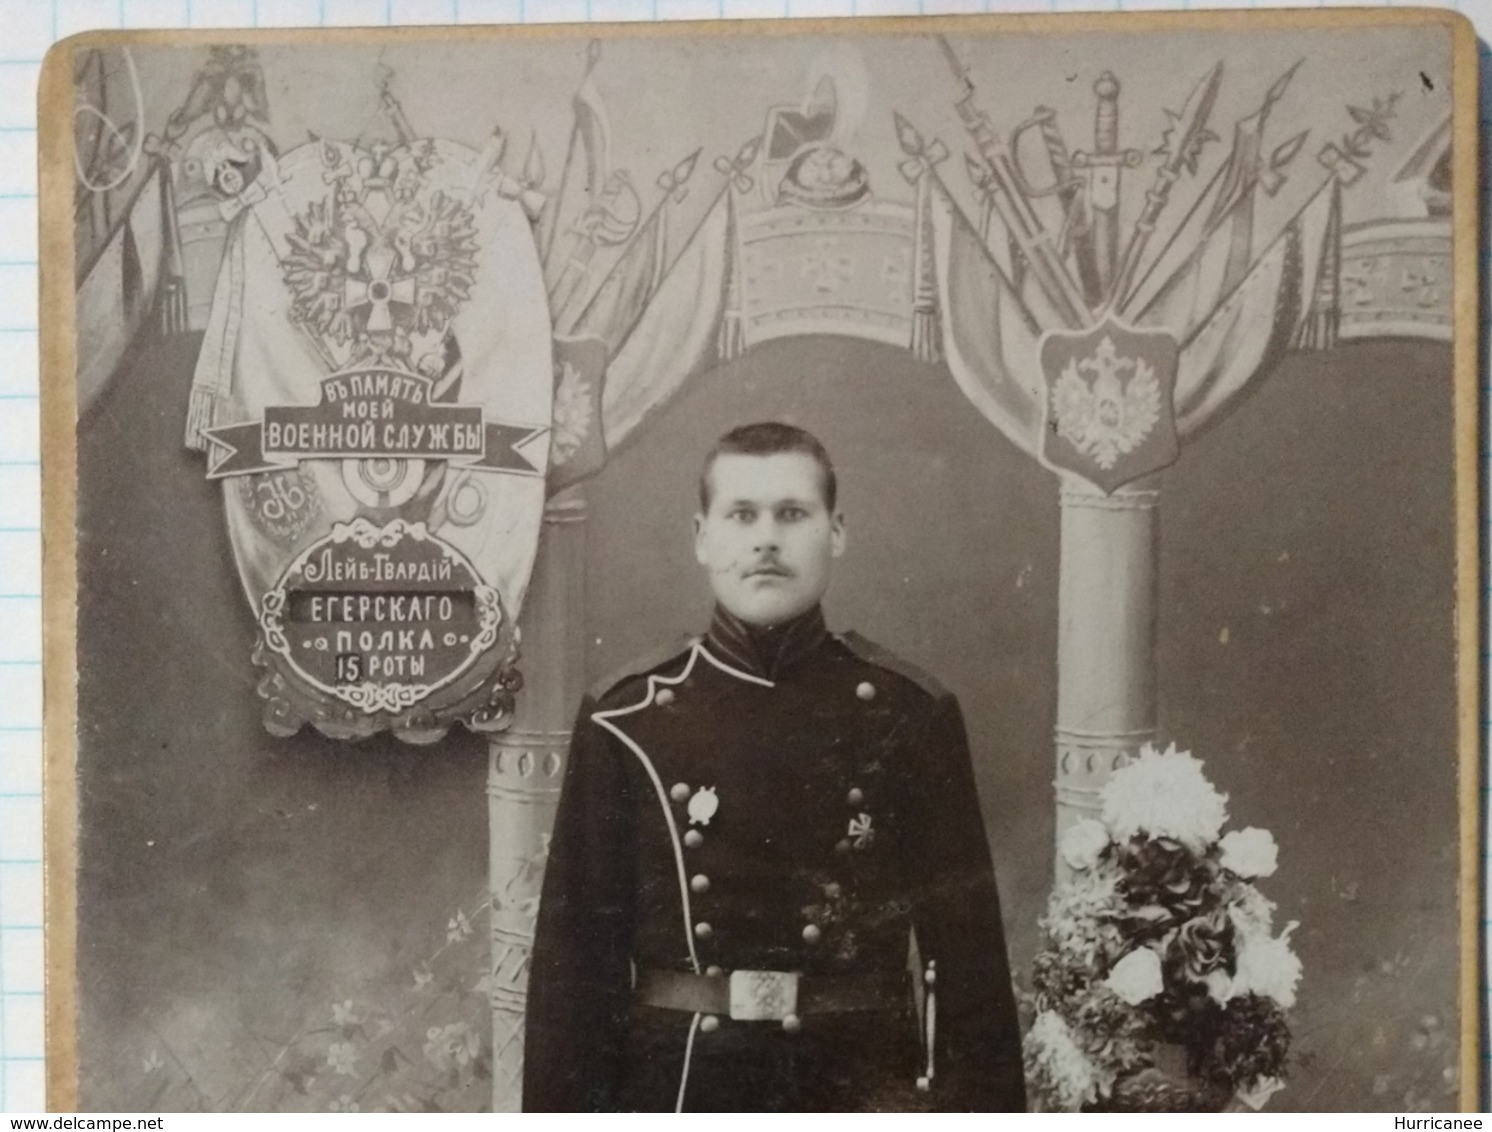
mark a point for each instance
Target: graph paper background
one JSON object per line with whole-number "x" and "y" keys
{"x": 30, "y": 26}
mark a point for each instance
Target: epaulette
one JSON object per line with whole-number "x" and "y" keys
{"x": 649, "y": 661}
{"x": 872, "y": 653}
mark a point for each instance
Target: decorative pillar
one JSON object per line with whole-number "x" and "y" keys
{"x": 525, "y": 772}
{"x": 1105, "y": 641}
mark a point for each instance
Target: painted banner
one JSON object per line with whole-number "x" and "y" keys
{"x": 374, "y": 393}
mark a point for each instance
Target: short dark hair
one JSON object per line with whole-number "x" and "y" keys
{"x": 769, "y": 438}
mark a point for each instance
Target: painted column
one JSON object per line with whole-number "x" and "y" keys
{"x": 525, "y": 772}
{"x": 1105, "y": 641}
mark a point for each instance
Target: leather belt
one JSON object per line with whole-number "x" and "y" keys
{"x": 752, "y": 996}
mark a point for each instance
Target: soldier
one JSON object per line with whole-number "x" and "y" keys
{"x": 755, "y": 833}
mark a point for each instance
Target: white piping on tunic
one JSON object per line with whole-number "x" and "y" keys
{"x": 604, "y": 719}
{"x": 688, "y": 1053}
{"x": 736, "y": 672}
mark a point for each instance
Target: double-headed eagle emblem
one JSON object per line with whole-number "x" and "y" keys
{"x": 380, "y": 262}
{"x": 1111, "y": 414}
{"x": 1108, "y": 402}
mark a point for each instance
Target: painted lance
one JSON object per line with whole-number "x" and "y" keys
{"x": 1244, "y": 170}
{"x": 1180, "y": 147}
{"x": 1229, "y": 200}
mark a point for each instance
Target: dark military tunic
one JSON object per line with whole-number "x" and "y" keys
{"x": 787, "y": 801}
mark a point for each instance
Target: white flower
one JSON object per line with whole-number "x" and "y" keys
{"x": 341, "y": 1057}
{"x": 1164, "y": 795}
{"x": 1219, "y": 986}
{"x": 1082, "y": 844}
{"x": 1251, "y": 852}
{"x": 1248, "y": 929}
{"x": 1137, "y": 976}
{"x": 1050, "y": 1047}
{"x": 1080, "y": 914}
{"x": 459, "y": 927}
{"x": 1258, "y": 1095}
{"x": 456, "y": 1044}
{"x": 1268, "y": 966}
{"x": 1253, "y": 912}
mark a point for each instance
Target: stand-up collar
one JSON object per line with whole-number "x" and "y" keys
{"x": 766, "y": 651}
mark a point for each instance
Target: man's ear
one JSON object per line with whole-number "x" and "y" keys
{"x": 699, "y": 540}
{"x": 837, "y": 536}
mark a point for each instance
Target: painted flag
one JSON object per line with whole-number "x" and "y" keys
{"x": 594, "y": 130}
{"x": 584, "y": 342}
{"x": 990, "y": 337}
{"x": 1251, "y": 329}
{"x": 675, "y": 338}
{"x": 119, "y": 286}
{"x": 613, "y": 309}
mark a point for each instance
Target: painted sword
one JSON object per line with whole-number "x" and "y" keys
{"x": 1015, "y": 208}
{"x": 1098, "y": 256}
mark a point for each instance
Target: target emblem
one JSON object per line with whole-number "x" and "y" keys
{"x": 383, "y": 483}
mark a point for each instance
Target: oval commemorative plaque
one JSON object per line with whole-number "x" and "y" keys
{"x": 381, "y": 618}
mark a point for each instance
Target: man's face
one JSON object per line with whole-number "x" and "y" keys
{"x": 768, "y": 540}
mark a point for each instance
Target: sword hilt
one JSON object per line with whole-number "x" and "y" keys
{"x": 1106, "y": 114}
{"x": 1014, "y": 205}
{"x": 1016, "y": 210}
{"x": 1106, "y": 152}
{"x": 1099, "y": 251}
{"x": 1044, "y": 121}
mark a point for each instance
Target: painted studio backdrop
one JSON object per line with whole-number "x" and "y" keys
{"x": 397, "y": 363}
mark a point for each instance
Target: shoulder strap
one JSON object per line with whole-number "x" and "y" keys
{"x": 881, "y": 657}
{"x": 649, "y": 661}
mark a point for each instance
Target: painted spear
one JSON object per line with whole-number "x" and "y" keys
{"x": 1234, "y": 180}
{"x": 1181, "y": 146}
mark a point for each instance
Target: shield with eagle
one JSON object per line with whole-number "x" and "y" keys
{"x": 1108, "y": 402}
{"x": 374, "y": 394}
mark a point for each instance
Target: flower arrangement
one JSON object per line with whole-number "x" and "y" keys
{"x": 1163, "y": 985}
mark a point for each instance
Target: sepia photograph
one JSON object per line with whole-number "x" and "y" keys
{"x": 818, "y": 566}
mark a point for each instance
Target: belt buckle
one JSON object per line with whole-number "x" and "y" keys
{"x": 763, "y": 996}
